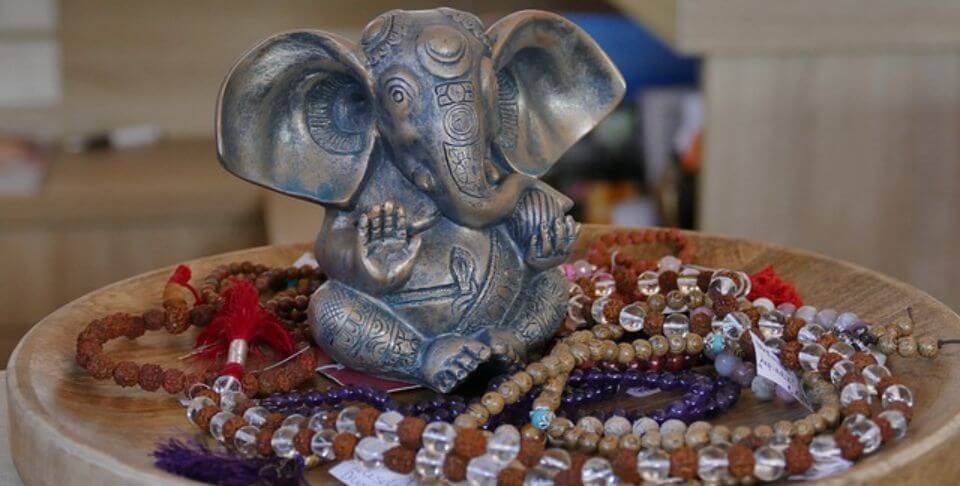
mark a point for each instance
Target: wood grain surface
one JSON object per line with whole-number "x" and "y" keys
{"x": 66, "y": 428}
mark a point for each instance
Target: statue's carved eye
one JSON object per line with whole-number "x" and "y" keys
{"x": 401, "y": 92}
{"x": 397, "y": 95}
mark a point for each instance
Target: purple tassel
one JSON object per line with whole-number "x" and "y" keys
{"x": 196, "y": 461}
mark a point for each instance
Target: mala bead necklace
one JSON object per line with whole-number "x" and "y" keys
{"x": 182, "y": 307}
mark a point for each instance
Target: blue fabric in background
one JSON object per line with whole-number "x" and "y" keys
{"x": 644, "y": 60}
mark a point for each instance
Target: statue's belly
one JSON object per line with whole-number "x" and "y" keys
{"x": 463, "y": 279}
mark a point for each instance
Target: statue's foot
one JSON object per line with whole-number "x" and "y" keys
{"x": 451, "y": 359}
{"x": 505, "y": 348}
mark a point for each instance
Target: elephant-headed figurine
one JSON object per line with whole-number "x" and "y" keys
{"x": 424, "y": 143}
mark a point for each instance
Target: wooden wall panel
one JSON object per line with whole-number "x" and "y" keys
{"x": 853, "y": 155}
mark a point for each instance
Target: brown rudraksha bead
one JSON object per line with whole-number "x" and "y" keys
{"x": 857, "y": 406}
{"x": 101, "y": 366}
{"x": 701, "y": 324}
{"x": 740, "y": 458}
{"x": 799, "y": 458}
{"x": 409, "y": 431}
{"x": 301, "y": 442}
{"x": 172, "y": 381}
{"x": 264, "y": 438}
{"x": 724, "y": 304}
{"x": 624, "y": 464}
{"x": 703, "y": 280}
{"x": 343, "y": 445}
{"x": 653, "y": 324}
{"x": 792, "y": 329}
{"x": 790, "y": 354}
{"x": 455, "y": 468}
{"x": 862, "y": 359}
{"x": 154, "y": 319}
{"x": 366, "y": 417}
{"x": 150, "y": 377}
{"x": 204, "y": 416}
{"x": 400, "y": 460}
{"x": 231, "y": 426}
{"x": 127, "y": 373}
{"x": 849, "y": 444}
{"x": 667, "y": 281}
{"x": 531, "y": 450}
{"x": 510, "y": 476}
{"x": 826, "y": 362}
{"x": 683, "y": 463}
{"x": 470, "y": 443}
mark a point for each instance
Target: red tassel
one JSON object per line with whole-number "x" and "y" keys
{"x": 766, "y": 283}
{"x": 242, "y": 317}
{"x": 181, "y": 276}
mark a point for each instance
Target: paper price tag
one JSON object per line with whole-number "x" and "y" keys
{"x": 769, "y": 367}
{"x": 352, "y": 473}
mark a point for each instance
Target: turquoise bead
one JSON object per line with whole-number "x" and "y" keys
{"x": 541, "y": 417}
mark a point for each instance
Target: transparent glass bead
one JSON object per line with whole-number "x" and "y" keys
{"x": 897, "y": 422}
{"x": 482, "y": 471}
{"x": 294, "y": 420}
{"x": 536, "y": 477}
{"x": 505, "y": 444}
{"x": 386, "y": 426}
{"x": 722, "y": 285}
{"x": 616, "y": 426}
{"x": 648, "y": 283}
{"x": 866, "y": 430}
{"x": 216, "y": 425}
{"x": 774, "y": 344}
{"x": 225, "y": 383}
{"x": 597, "y": 471}
{"x": 733, "y": 325}
{"x": 230, "y": 399}
{"x": 824, "y": 448}
{"x": 604, "y": 285}
{"x": 873, "y": 374}
{"x": 772, "y": 324}
{"x": 896, "y": 393}
{"x": 196, "y": 405}
{"x": 369, "y": 452}
{"x": 583, "y": 268}
{"x": 810, "y": 333}
{"x": 843, "y": 349}
{"x": 429, "y": 464}
{"x": 632, "y": 317}
{"x": 669, "y": 263}
{"x": 677, "y": 324}
{"x": 744, "y": 285}
{"x": 806, "y": 312}
{"x": 769, "y": 464}
{"x": 554, "y": 461}
{"x": 763, "y": 304}
{"x": 282, "y": 442}
{"x": 853, "y": 392}
{"x": 319, "y": 420}
{"x": 322, "y": 444}
{"x": 575, "y": 307}
{"x": 653, "y": 464}
{"x": 439, "y": 437}
{"x": 779, "y": 442}
{"x": 810, "y": 356}
{"x": 347, "y": 420}
{"x": 687, "y": 280}
{"x": 596, "y": 310}
{"x": 711, "y": 463}
{"x": 256, "y": 416}
{"x": 245, "y": 440}
{"x": 840, "y": 369}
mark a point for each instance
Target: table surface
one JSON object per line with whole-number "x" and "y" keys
{"x": 91, "y": 431}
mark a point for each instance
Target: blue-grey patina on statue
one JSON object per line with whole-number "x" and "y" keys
{"x": 424, "y": 143}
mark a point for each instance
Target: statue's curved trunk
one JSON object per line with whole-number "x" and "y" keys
{"x": 495, "y": 205}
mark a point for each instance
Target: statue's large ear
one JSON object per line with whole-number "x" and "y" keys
{"x": 295, "y": 116}
{"x": 554, "y": 84}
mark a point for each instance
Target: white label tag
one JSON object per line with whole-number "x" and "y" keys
{"x": 641, "y": 392}
{"x": 306, "y": 260}
{"x": 769, "y": 367}
{"x": 352, "y": 473}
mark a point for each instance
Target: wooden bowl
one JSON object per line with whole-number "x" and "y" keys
{"x": 67, "y": 428}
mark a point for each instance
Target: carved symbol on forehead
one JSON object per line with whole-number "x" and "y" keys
{"x": 442, "y": 50}
{"x": 456, "y": 92}
{"x": 461, "y": 123}
{"x": 379, "y": 38}
{"x": 469, "y": 23}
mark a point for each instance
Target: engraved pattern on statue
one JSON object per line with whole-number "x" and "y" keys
{"x": 534, "y": 208}
{"x": 462, "y": 291}
{"x": 508, "y": 108}
{"x": 336, "y": 122}
{"x": 379, "y": 44}
{"x": 371, "y": 337}
{"x": 470, "y": 23}
{"x": 499, "y": 290}
{"x": 539, "y": 315}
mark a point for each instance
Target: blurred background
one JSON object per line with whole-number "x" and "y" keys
{"x": 828, "y": 125}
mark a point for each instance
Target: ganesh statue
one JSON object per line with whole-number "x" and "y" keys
{"x": 425, "y": 143}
